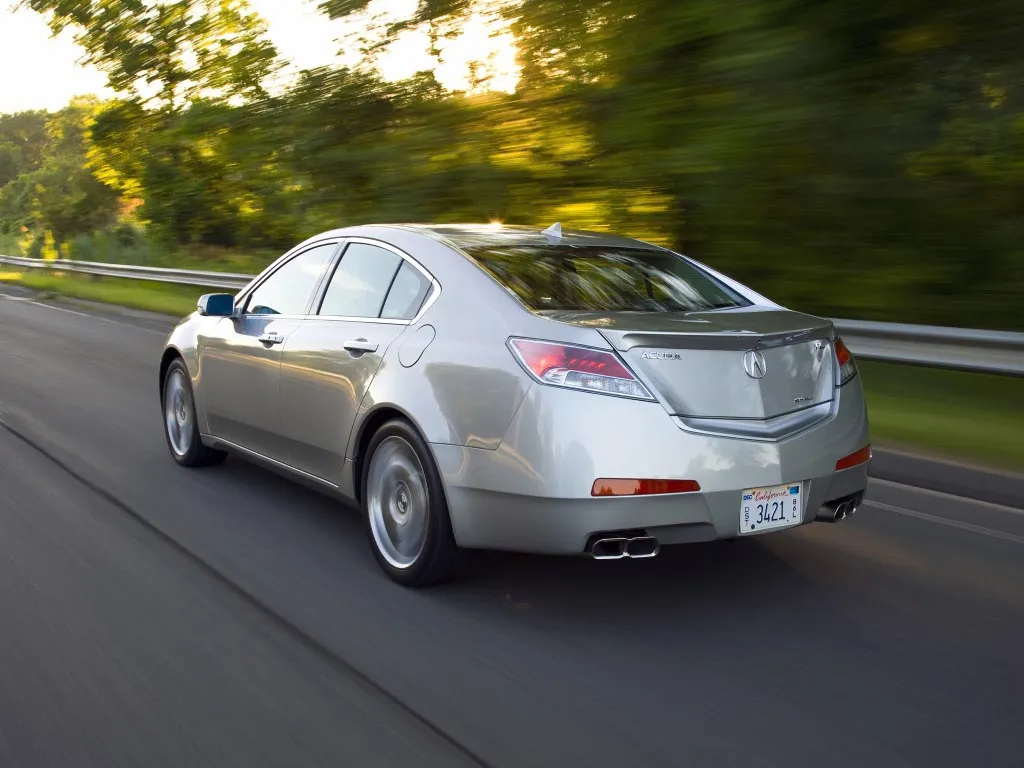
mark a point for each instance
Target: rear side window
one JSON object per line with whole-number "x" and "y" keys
{"x": 596, "y": 279}
{"x": 407, "y": 293}
{"x": 361, "y": 281}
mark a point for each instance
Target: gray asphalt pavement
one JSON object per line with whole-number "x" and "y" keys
{"x": 151, "y": 615}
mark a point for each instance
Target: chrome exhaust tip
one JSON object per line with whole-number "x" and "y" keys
{"x": 609, "y": 549}
{"x": 840, "y": 509}
{"x": 642, "y": 546}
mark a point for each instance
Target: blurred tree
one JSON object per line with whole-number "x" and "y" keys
{"x": 788, "y": 140}
{"x": 170, "y": 52}
{"x": 55, "y": 194}
{"x": 177, "y": 65}
{"x": 22, "y": 138}
{"x": 848, "y": 158}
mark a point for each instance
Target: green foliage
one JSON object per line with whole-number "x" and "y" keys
{"x": 52, "y": 195}
{"x": 169, "y": 52}
{"x": 858, "y": 159}
{"x": 22, "y": 137}
{"x": 855, "y": 159}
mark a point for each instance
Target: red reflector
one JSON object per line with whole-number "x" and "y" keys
{"x": 621, "y": 487}
{"x": 842, "y": 353}
{"x": 860, "y": 457}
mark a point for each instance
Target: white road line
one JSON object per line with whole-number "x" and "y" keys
{"x": 943, "y": 495}
{"x": 947, "y": 522}
{"x": 62, "y": 309}
{"x": 29, "y": 300}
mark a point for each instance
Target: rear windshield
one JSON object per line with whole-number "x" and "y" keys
{"x": 590, "y": 278}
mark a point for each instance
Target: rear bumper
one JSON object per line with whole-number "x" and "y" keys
{"x": 532, "y": 493}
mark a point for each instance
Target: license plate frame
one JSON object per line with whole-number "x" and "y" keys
{"x": 771, "y": 508}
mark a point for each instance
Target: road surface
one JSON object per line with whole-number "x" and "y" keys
{"x": 151, "y": 615}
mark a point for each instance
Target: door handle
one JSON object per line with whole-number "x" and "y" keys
{"x": 271, "y": 338}
{"x": 361, "y": 345}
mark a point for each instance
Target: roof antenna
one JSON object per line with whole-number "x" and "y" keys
{"x": 554, "y": 232}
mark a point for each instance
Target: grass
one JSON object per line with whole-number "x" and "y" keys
{"x": 972, "y": 416}
{"x": 966, "y": 416}
{"x": 9, "y": 245}
{"x": 165, "y": 298}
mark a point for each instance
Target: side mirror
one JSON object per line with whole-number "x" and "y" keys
{"x": 216, "y": 305}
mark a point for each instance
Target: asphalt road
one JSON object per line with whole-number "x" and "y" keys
{"x": 151, "y": 615}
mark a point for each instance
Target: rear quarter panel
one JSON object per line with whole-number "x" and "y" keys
{"x": 465, "y": 387}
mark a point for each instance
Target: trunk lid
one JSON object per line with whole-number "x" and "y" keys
{"x": 744, "y": 363}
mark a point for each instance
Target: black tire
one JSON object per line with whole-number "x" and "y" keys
{"x": 188, "y": 449}
{"x": 438, "y": 558}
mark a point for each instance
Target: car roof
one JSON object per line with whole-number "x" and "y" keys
{"x": 467, "y": 236}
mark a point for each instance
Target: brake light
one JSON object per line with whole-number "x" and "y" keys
{"x": 854, "y": 459}
{"x": 591, "y": 370}
{"x": 607, "y": 486}
{"x": 847, "y": 365}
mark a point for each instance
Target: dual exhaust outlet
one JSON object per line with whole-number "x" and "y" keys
{"x": 837, "y": 511}
{"x": 618, "y": 547}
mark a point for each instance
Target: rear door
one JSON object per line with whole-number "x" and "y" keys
{"x": 330, "y": 359}
{"x": 240, "y": 357}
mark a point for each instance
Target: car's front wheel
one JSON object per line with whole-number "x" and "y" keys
{"x": 181, "y": 426}
{"x": 405, "y": 509}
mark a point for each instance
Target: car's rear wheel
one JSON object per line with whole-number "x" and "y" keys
{"x": 405, "y": 509}
{"x": 181, "y": 426}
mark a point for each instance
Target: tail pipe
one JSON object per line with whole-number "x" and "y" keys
{"x": 612, "y": 548}
{"x": 615, "y": 546}
{"x": 837, "y": 510}
{"x": 642, "y": 546}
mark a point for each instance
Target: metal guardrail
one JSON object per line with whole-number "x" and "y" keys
{"x": 965, "y": 349}
{"x": 154, "y": 274}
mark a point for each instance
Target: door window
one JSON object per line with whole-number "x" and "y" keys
{"x": 288, "y": 290}
{"x": 361, "y": 281}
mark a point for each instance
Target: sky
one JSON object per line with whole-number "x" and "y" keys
{"x": 42, "y": 72}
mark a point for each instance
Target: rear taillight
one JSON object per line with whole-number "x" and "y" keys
{"x": 847, "y": 365}
{"x": 591, "y": 370}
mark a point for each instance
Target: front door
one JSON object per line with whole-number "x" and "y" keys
{"x": 240, "y": 357}
{"x": 330, "y": 360}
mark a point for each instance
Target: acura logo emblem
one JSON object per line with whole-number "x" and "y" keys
{"x": 754, "y": 364}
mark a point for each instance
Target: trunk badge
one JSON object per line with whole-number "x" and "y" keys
{"x": 754, "y": 364}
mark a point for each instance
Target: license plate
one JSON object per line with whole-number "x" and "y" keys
{"x": 767, "y": 509}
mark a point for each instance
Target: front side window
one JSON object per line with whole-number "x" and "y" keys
{"x": 361, "y": 281}
{"x": 603, "y": 279}
{"x": 288, "y": 290}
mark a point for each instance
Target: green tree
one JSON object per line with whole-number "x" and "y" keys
{"x": 169, "y": 53}
{"x": 66, "y": 198}
{"x": 847, "y": 158}
{"x": 53, "y": 192}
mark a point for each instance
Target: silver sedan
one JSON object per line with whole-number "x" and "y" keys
{"x": 490, "y": 387}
